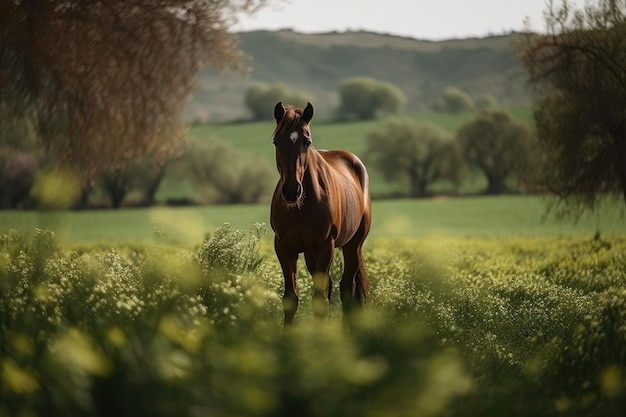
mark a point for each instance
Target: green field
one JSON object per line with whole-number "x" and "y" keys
{"x": 478, "y": 306}
{"x": 454, "y": 326}
{"x": 467, "y": 216}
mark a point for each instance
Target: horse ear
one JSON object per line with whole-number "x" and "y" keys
{"x": 279, "y": 111}
{"x": 307, "y": 113}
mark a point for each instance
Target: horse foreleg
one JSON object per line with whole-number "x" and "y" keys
{"x": 318, "y": 263}
{"x": 288, "y": 263}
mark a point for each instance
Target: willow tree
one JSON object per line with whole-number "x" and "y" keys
{"x": 105, "y": 81}
{"x": 578, "y": 68}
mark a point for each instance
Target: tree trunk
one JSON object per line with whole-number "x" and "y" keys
{"x": 83, "y": 201}
{"x": 495, "y": 185}
{"x": 116, "y": 185}
{"x": 418, "y": 187}
{"x": 149, "y": 197}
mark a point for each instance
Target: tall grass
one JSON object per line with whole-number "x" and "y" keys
{"x": 454, "y": 327}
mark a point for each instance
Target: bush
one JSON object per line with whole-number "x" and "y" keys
{"x": 454, "y": 100}
{"x": 261, "y": 98}
{"x": 222, "y": 175}
{"x": 365, "y": 97}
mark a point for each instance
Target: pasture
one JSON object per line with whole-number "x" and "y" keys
{"x": 454, "y": 326}
{"x": 460, "y": 217}
{"x": 477, "y": 307}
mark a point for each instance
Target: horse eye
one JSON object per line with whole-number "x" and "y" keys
{"x": 275, "y": 142}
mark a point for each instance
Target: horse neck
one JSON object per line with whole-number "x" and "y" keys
{"x": 316, "y": 172}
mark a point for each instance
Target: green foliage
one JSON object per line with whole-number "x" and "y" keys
{"x": 261, "y": 98}
{"x": 454, "y": 100}
{"x": 456, "y": 327}
{"x": 422, "y": 153}
{"x": 486, "y": 101}
{"x": 227, "y": 250}
{"x": 222, "y": 175}
{"x": 366, "y": 97}
{"x": 498, "y": 146}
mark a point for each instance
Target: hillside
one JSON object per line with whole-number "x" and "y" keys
{"x": 317, "y": 64}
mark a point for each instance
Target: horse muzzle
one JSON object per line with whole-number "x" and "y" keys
{"x": 292, "y": 192}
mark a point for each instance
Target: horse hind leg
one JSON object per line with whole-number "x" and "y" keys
{"x": 354, "y": 285}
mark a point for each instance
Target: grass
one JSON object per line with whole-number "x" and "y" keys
{"x": 470, "y": 216}
{"x": 455, "y": 327}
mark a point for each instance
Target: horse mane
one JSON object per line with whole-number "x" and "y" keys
{"x": 291, "y": 121}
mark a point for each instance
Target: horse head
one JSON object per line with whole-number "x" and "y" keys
{"x": 292, "y": 139}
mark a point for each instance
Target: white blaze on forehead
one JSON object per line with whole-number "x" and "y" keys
{"x": 294, "y": 136}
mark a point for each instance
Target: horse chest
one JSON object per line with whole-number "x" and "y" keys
{"x": 303, "y": 229}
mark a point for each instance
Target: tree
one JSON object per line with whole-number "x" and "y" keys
{"x": 486, "y": 101}
{"x": 148, "y": 178}
{"x": 116, "y": 183}
{"x": 223, "y": 176}
{"x": 365, "y": 97}
{"x": 578, "y": 69}
{"x": 497, "y": 145}
{"x": 106, "y": 81}
{"x": 421, "y": 153}
{"x": 454, "y": 100}
{"x": 261, "y": 98}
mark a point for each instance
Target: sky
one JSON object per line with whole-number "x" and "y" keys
{"x": 420, "y": 19}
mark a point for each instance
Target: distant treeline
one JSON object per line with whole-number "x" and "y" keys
{"x": 412, "y": 157}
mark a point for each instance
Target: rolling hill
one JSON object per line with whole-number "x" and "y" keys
{"x": 317, "y": 64}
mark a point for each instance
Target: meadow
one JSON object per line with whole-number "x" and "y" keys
{"x": 478, "y": 306}
{"x": 514, "y": 215}
{"x": 454, "y": 326}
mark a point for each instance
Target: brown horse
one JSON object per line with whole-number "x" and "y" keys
{"x": 321, "y": 202}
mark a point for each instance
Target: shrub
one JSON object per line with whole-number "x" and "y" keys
{"x": 365, "y": 97}
{"x": 454, "y": 100}
{"x": 261, "y": 98}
